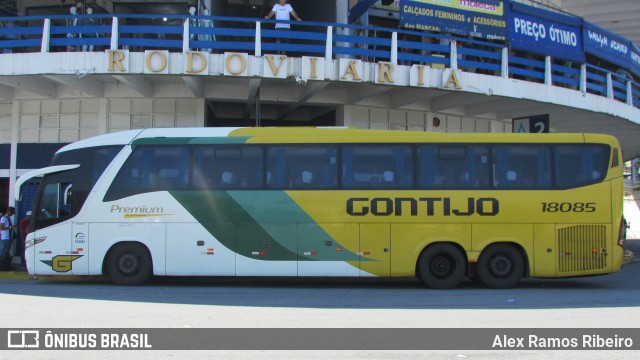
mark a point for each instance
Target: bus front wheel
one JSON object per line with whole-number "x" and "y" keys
{"x": 441, "y": 266}
{"x": 129, "y": 264}
{"x": 500, "y": 266}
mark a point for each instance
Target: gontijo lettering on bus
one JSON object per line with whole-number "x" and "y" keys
{"x": 423, "y": 206}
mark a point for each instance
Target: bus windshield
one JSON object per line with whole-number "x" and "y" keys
{"x": 62, "y": 194}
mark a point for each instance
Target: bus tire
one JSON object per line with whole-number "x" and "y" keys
{"x": 500, "y": 266}
{"x": 441, "y": 266}
{"x": 129, "y": 264}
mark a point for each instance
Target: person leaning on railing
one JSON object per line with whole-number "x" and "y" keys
{"x": 88, "y": 21}
{"x": 283, "y": 11}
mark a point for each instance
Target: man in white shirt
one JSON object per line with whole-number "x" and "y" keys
{"x": 283, "y": 11}
{"x": 6, "y": 229}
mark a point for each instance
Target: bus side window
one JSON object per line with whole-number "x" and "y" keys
{"x": 151, "y": 168}
{"x": 580, "y": 164}
{"x": 453, "y": 167}
{"x": 522, "y": 166}
{"x": 377, "y": 167}
{"x": 202, "y": 171}
{"x": 302, "y": 167}
{"x": 427, "y": 160}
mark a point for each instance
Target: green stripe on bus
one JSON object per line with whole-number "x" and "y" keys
{"x": 272, "y": 208}
{"x": 230, "y": 224}
{"x": 245, "y": 222}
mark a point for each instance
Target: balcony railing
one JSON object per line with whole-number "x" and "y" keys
{"x": 181, "y": 33}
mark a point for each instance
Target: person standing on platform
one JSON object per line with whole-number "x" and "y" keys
{"x": 283, "y": 11}
{"x": 72, "y": 21}
{"x": 88, "y": 21}
{"x": 6, "y": 231}
{"x": 206, "y": 23}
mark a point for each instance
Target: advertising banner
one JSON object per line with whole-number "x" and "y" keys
{"x": 635, "y": 59}
{"x": 484, "y": 19}
{"x": 545, "y": 32}
{"x": 607, "y": 45}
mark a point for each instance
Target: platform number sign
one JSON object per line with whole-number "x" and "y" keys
{"x": 532, "y": 124}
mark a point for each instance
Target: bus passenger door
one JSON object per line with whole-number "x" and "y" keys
{"x": 52, "y": 238}
{"x": 375, "y": 250}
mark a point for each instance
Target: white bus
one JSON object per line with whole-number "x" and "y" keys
{"x": 329, "y": 202}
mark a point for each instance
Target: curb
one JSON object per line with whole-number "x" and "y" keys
{"x": 14, "y": 275}
{"x": 22, "y": 275}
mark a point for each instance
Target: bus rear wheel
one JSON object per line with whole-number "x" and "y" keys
{"x": 129, "y": 264}
{"x": 441, "y": 266}
{"x": 500, "y": 266}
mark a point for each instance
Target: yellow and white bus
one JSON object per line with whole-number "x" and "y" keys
{"x": 329, "y": 202}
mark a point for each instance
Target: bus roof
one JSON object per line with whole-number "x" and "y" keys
{"x": 320, "y": 135}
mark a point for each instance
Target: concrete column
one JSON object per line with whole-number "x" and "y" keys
{"x": 583, "y": 78}
{"x": 15, "y": 133}
{"x": 46, "y": 36}
{"x": 200, "y": 113}
{"x": 186, "y": 36}
{"x": 258, "y": 45}
{"x": 394, "y": 48}
{"x": 505, "y": 63}
{"x": 342, "y": 116}
{"x": 328, "y": 53}
{"x": 454, "y": 55}
{"x": 114, "y": 34}
{"x": 548, "y": 80}
{"x": 102, "y": 116}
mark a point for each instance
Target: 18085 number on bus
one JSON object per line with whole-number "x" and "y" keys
{"x": 577, "y": 207}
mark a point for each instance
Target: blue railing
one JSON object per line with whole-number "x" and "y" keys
{"x": 181, "y": 33}
{"x": 528, "y": 68}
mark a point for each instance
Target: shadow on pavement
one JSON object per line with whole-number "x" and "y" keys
{"x": 620, "y": 289}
